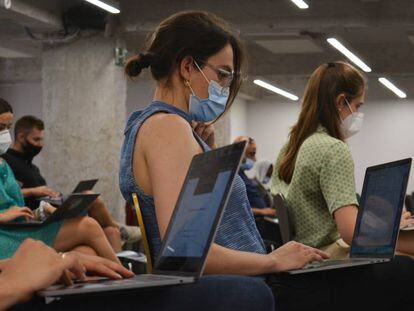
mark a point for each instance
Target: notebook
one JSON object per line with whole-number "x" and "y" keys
{"x": 378, "y": 221}
{"x": 190, "y": 232}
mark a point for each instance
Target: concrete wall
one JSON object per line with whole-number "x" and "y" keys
{"x": 238, "y": 118}
{"x": 387, "y": 133}
{"x": 84, "y": 96}
{"x": 25, "y": 99}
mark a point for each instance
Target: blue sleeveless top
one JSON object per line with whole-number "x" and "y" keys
{"x": 237, "y": 229}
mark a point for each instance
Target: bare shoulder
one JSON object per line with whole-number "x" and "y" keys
{"x": 165, "y": 128}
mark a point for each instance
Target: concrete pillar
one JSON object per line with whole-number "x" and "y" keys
{"x": 84, "y": 97}
{"x": 222, "y": 133}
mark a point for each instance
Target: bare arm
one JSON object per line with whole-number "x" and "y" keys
{"x": 345, "y": 218}
{"x": 168, "y": 146}
{"x": 39, "y": 192}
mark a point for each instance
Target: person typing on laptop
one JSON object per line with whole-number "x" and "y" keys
{"x": 62, "y": 235}
{"x": 35, "y": 266}
{"x": 315, "y": 170}
{"x": 197, "y": 64}
{"x": 28, "y": 143}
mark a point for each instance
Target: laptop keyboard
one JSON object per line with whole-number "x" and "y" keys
{"x": 153, "y": 277}
{"x": 326, "y": 263}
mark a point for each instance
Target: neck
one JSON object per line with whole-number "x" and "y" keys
{"x": 175, "y": 96}
{"x": 17, "y": 147}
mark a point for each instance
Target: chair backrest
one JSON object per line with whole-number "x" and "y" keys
{"x": 141, "y": 225}
{"x": 409, "y": 203}
{"x": 286, "y": 230}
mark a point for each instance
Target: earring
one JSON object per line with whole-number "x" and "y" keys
{"x": 187, "y": 83}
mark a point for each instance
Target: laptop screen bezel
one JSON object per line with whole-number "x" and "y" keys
{"x": 198, "y": 262}
{"x": 354, "y": 253}
{"x": 90, "y": 183}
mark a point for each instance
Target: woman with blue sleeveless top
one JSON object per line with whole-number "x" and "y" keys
{"x": 198, "y": 64}
{"x": 204, "y": 60}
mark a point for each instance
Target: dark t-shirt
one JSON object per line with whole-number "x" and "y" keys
{"x": 253, "y": 193}
{"x": 25, "y": 173}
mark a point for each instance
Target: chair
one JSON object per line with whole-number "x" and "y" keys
{"x": 409, "y": 203}
{"x": 141, "y": 224}
{"x": 286, "y": 230}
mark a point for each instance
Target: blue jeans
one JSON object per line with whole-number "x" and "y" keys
{"x": 216, "y": 293}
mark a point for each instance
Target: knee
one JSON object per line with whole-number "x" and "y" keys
{"x": 112, "y": 232}
{"x": 90, "y": 227}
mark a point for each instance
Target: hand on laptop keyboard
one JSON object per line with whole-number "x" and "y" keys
{"x": 294, "y": 255}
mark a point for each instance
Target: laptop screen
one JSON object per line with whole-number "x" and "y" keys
{"x": 381, "y": 204}
{"x": 199, "y": 209}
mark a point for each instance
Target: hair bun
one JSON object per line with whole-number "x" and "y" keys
{"x": 135, "y": 65}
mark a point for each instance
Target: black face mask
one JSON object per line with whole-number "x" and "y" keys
{"x": 30, "y": 150}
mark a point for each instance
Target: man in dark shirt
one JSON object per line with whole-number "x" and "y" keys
{"x": 20, "y": 157}
{"x": 28, "y": 142}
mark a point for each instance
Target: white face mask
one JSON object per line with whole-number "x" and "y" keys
{"x": 5, "y": 141}
{"x": 352, "y": 123}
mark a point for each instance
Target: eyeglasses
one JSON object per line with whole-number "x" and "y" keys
{"x": 225, "y": 77}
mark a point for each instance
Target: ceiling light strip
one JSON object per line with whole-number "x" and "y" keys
{"x": 105, "y": 6}
{"x": 275, "y": 89}
{"x": 351, "y": 56}
{"x": 300, "y": 4}
{"x": 388, "y": 84}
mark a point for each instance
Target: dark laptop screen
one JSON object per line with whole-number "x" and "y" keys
{"x": 381, "y": 205}
{"x": 199, "y": 209}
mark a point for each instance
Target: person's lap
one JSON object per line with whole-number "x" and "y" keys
{"x": 374, "y": 287}
{"x": 209, "y": 293}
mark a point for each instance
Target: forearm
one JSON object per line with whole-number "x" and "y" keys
{"x": 221, "y": 260}
{"x": 27, "y": 192}
{"x": 10, "y": 295}
{"x": 405, "y": 243}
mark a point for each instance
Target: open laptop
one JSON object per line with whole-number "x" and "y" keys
{"x": 82, "y": 186}
{"x": 191, "y": 230}
{"x": 85, "y": 185}
{"x": 378, "y": 221}
{"x": 75, "y": 205}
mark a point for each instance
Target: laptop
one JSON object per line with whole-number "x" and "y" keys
{"x": 378, "y": 221}
{"x": 85, "y": 185}
{"x": 82, "y": 186}
{"x": 75, "y": 205}
{"x": 191, "y": 230}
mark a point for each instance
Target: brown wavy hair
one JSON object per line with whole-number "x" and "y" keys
{"x": 319, "y": 108}
{"x": 197, "y": 34}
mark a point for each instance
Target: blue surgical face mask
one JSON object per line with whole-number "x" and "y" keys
{"x": 266, "y": 179}
{"x": 248, "y": 165}
{"x": 209, "y": 109}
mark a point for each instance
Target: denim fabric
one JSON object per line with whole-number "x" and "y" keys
{"x": 237, "y": 229}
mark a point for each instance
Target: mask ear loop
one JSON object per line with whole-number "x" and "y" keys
{"x": 187, "y": 83}
{"x": 199, "y": 68}
{"x": 349, "y": 106}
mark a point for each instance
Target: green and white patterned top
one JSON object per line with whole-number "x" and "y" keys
{"x": 322, "y": 182}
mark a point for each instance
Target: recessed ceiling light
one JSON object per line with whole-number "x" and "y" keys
{"x": 351, "y": 56}
{"x": 275, "y": 89}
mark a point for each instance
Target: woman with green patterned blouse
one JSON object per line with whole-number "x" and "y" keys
{"x": 82, "y": 233}
{"x": 315, "y": 169}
